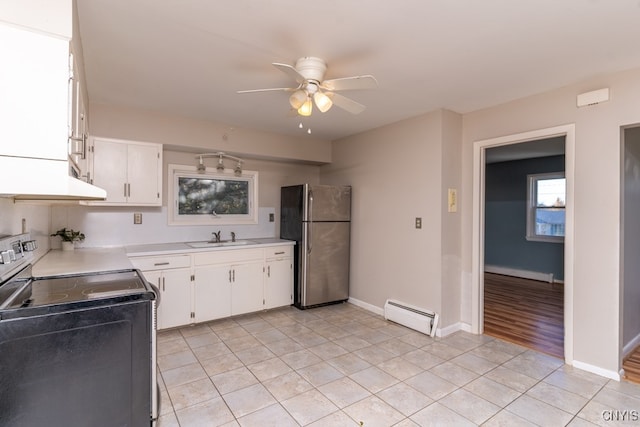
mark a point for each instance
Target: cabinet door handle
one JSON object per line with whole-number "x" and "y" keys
{"x": 279, "y": 253}
{"x": 229, "y": 276}
{"x": 163, "y": 287}
{"x": 128, "y": 189}
{"x": 160, "y": 263}
{"x": 125, "y": 189}
{"x": 234, "y": 275}
{"x": 269, "y": 271}
{"x": 159, "y": 284}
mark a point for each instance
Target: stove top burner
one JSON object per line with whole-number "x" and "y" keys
{"x": 57, "y": 297}
{"x": 76, "y": 288}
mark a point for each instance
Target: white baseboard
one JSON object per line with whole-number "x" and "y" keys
{"x": 596, "y": 370}
{"x": 366, "y": 306}
{"x": 443, "y": 332}
{"x": 515, "y": 272}
{"x": 630, "y": 346}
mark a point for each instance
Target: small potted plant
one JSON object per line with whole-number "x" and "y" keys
{"x": 69, "y": 237}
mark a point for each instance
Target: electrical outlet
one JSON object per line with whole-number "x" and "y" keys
{"x": 137, "y": 218}
{"x": 418, "y": 222}
{"x": 272, "y": 217}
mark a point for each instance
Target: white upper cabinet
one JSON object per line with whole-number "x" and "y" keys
{"x": 35, "y": 102}
{"x": 130, "y": 171}
{"x": 34, "y": 87}
{"x": 34, "y": 81}
{"x": 77, "y": 125}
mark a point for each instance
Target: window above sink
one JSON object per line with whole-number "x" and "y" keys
{"x": 212, "y": 197}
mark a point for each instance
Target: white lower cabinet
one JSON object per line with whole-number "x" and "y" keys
{"x": 175, "y": 296}
{"x": 247, "y": 287}
{"x": 172, "y": 276}
{"x": 212, "y": 293}
{"x": 278, "y": 283}
{"x": 238, "y": 274}
{"x": 203, "y": 286}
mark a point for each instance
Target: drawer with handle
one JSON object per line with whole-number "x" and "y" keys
{"x": 279, "y": 252}
{"x": 165, "y": 262}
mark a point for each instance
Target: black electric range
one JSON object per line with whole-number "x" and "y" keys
{"x": 75, "y": 349}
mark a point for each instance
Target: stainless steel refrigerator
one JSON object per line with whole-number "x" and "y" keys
{"x": 318, "y": 218}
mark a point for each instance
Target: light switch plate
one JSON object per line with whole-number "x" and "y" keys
{"x": 272, "y": 217}
{"x": 418, "y": 222}
{"x": 452, "y": 200}
{"x": 137, "y": 218}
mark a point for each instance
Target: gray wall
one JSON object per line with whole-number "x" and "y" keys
{"x": 506, "y": 218}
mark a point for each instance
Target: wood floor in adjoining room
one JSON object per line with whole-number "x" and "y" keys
{"x": 631, "y": 366}
{"x": 525, "y": 312}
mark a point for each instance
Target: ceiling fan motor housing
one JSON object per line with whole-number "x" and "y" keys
{"x": 311, "y": 68}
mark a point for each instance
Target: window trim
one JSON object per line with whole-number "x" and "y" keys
{"x": 532, "y": 180}
{"x": 177, "y": 171}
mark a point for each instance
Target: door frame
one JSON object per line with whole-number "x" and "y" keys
{"x": 477, "y": 256}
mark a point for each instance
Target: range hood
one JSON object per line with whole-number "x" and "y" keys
{"x": 25, "y": 178}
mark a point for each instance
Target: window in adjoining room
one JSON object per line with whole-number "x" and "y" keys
{"x": 546, "y": 207}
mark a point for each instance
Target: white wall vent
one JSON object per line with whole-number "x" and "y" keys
{"x": 592, "y": 98}
{"x": 421, "y": 320}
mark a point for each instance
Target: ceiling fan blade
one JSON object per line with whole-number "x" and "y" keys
{"x": 345, "y": 103}
{"x": 350, "y": 83}
{"x": 290, "y": 71}
{"x": 273, "y": 89}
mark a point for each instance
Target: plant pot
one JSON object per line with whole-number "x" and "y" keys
{"x": 68, "y": 246}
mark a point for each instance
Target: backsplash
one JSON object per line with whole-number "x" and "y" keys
{"x": 114, "y": 226}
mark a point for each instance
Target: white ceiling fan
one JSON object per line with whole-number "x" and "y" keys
{"x": 309, "y": 74}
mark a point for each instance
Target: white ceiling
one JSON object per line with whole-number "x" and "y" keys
{"x": 189, "y": 57}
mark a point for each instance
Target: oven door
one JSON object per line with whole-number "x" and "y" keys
{"x": 82, "y": 367}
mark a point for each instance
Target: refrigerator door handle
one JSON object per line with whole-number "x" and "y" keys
{"x": 309, "y": 239}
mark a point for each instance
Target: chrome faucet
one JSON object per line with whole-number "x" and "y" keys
{"x": 216, "y": 237}
{"x": 233, "y": 236}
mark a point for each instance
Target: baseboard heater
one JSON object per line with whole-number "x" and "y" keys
{"x": 416, "y": 318}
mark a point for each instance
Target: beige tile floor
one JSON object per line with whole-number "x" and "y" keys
{"x": 344, "y": 366}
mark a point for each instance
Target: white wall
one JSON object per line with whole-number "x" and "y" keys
{"x": 398, "y": 173}
{"x": 113, "y": 226}
{"x": 204, "y": 136}
{"x": 450, "y": 238}
{"x": 597, "y": 200}
{"x": 36, "y": 219}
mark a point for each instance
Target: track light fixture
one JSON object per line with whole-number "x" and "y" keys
{"x": 220, "y": 166}
{"x": 201, "y": 166}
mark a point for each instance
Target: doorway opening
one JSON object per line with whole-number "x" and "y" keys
{"x": 524, "y": 200}
{"x": 630, "y": 251}
{"x": 484, "y": 152}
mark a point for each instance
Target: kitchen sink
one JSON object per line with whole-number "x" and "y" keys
{"x": 219, "y": 244}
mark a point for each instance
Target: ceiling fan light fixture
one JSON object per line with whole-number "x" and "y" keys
{"x": 306, "y": 108}
{"x": 298, "y": 98}
{"x": 323, "y": 102}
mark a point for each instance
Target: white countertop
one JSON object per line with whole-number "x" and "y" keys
{"x": 181, "y": 247}
{"x": 91, "y": 260}
{"x": 81, "y": 260}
